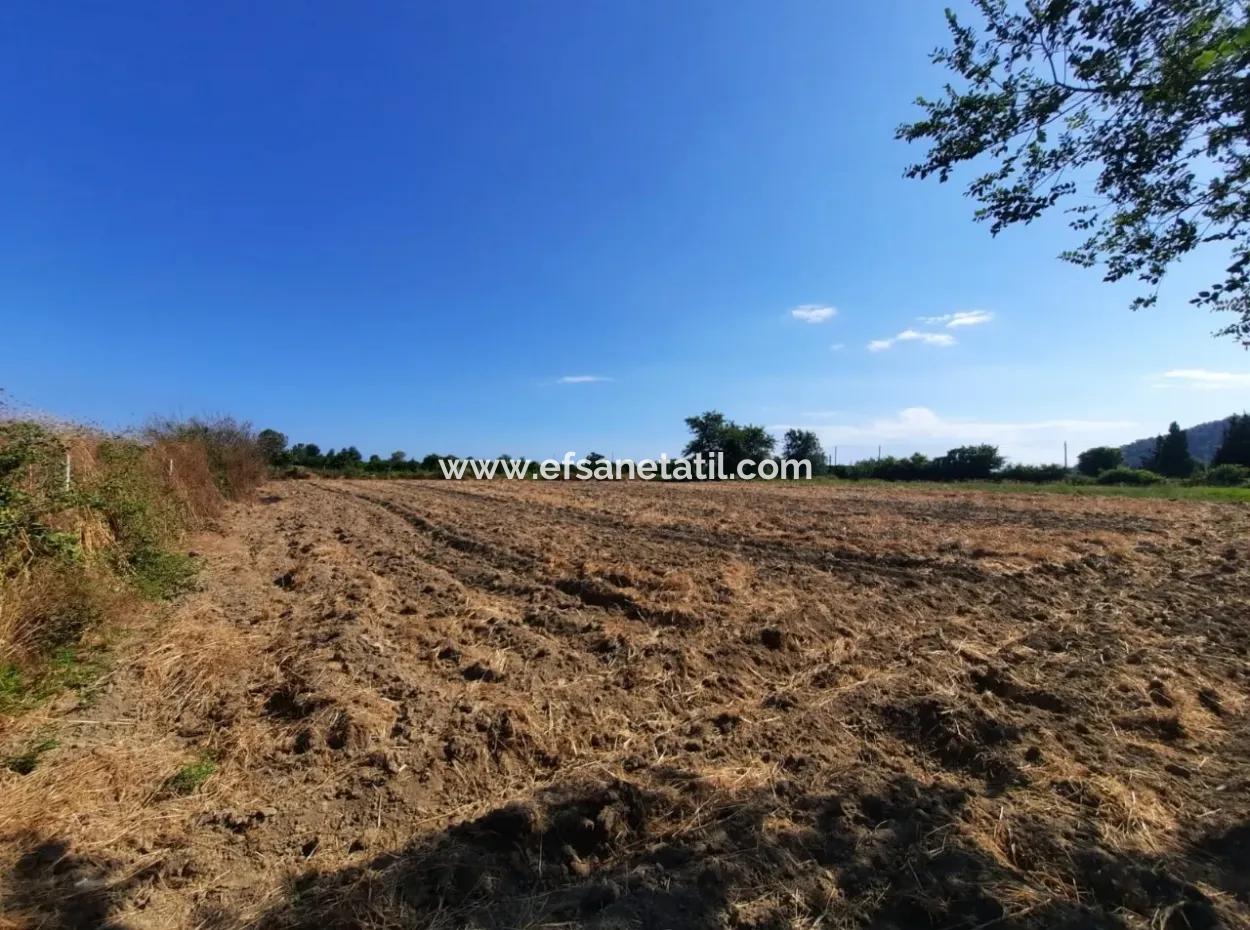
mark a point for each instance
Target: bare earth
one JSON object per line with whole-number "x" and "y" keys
{"x": 607, "y": 705}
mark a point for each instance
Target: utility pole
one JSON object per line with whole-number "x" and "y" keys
{"x": 878, "y": 453}
{"x": 1065, "y": 455}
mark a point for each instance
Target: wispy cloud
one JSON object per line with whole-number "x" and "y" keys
{"x": 581, "y": 379}
{"x": 837, "y": 347}
{"x": 821, "y": 414}
{"x": 911, "y": 335}
{"x": 814, "y": 313}
{"x": 960, "y": 318}
{"x": 1206, "y": 380}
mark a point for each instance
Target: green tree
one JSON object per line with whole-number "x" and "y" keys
{"x": 712, "y": 433}
{"x": 1095, "y": 461}
{"x": 801, "y": 445}
{"x": 916, "y": 467}
{"x": 1171, "y": 457}
{"x": 398, "y": 457}
{"x": 1235, "y": 447}
{"x": 1131, "y": 112}
{"x": 707, "y": 434}
{"x": 306, "y": 454}
{"x": 272, "y": 445}
{"x": 744, "y": 443}
{"x": 348, "y": 458}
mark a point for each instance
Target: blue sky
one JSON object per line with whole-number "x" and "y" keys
{"x": 409, "y": 225}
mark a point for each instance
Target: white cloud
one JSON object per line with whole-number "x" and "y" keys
{"x": 582, "y": 379}
{"x": 837, "y": 347}
{"x": 911, "y": 335}
{"x": 922, "y": 428}
{"x": 1203, "y": 379}
{"x": 814, "y": 313}
{"x": 821, "y": 414}
{"x": 960, "y": 318}
{"x": 932, "y": 339}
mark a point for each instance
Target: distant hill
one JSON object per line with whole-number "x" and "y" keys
{"x": 1204, "y": 442}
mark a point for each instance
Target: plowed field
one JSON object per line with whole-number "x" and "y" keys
{"x": 524, "y": 704}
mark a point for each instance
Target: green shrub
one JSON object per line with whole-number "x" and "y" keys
{"x": 160, "y": 573}
{"x": 1132, "y": 476}
{"x": 143, "y": 518}
{"x": 1032, "y": 474}
{"x": 1227, "y": 476}
{"x": 32, "y": 490}
{"x": 1093, "y": 462}
{"x": 12, "y": 686}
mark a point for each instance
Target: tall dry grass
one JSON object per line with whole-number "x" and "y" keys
{"x": 231, "y": 453}
{"x": 90, "y": 521}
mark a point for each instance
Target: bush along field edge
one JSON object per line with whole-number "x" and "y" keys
{"x": 92, "y": 527}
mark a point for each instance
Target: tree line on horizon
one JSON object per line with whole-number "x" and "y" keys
{"x": 347, "y": 459}
{"x": 713, "y": 433}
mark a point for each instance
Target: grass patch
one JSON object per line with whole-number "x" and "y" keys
{"x": 192, "y": 776}
{"x": 1165, "y": 491}
{"x": 74, "y": 667}
{"x": 68, "y": 668}
{"x": 160, "y": 574}
{"x": 12, "y": 687}
{"x": 25, "y": 762}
